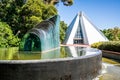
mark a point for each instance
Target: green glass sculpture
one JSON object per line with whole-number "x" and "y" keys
{"x": 42, "y": 37}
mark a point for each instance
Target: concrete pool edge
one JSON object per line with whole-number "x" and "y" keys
{"x": 78, "y": 68}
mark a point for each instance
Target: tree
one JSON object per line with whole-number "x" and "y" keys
{"x": 7, "y": 38}
{"x": 9, "y": 12}
{"x": 108, "y": 33}
{"x": 63, "y": 28}
{"x": 54, "y": 2}
{"x": 116, "y": 33}
{"x": 21, "y": 16}
{"x": 112, "y": 34}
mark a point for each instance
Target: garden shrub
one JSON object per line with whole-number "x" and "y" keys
{"x": 96, "y": 45}
{"x": 109, "y": 45}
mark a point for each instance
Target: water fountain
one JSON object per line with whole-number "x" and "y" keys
{"x": 41, "y": 58}
{"x": 44, "y": 36}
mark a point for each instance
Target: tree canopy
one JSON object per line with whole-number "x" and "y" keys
{"x": 22, "y": 16}
{"x": 7, "y": 38}
{"x": 112, "y": 34}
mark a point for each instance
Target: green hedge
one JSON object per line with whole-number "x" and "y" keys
{"x": 110, "y": 45}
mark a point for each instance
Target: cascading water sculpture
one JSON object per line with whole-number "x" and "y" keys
{"x": 44, "y": 36}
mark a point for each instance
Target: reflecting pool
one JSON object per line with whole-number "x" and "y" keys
{"x": 62, "y": 63}
{"x": 110, "y": 67}
{"x": 60, "y": 52}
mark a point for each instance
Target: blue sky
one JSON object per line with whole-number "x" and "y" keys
{"x": 102, "y": 13}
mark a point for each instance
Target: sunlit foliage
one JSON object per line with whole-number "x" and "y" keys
{"x": 7, "y": 38}
{"x": 63, "y": 27}
{"x": 112, "y": 34}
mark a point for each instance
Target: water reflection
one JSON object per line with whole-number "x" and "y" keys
{"x": 62, "y": 52}
{"x": 7, "y": 53}
{"x": 75, "y": 51}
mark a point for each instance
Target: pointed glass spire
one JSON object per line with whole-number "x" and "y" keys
{"x": 82, "y": 31}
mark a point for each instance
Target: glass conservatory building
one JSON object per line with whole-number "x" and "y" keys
{"x": 82, "y": 31}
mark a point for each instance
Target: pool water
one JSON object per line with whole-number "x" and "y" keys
{"x": 60, "y": 52}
